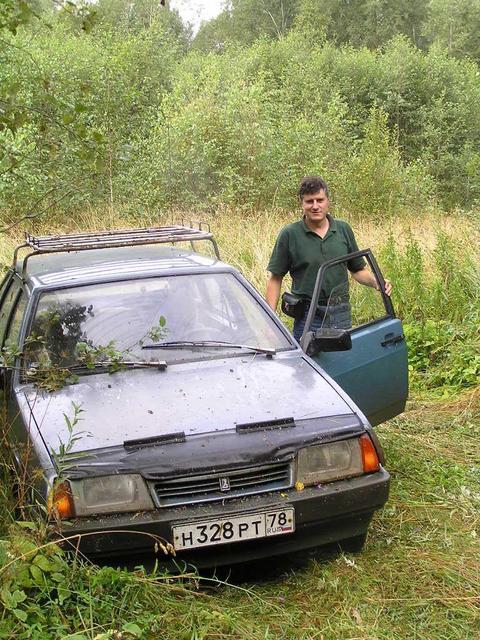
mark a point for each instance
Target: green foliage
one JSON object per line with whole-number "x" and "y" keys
{"x": 48, "y": 374}
{"x": 245, "y": 21}
{"x": 107, "y": 355}
{"x": 70, "y": 102}
{"x": 454, "y": 25}
{"x": 30, "y": 576}
{"x": 51, "y": 377}
{"x": 366, "y": 23}
{"x": 73, "y": 436}
{"x": 234, "y": 123}
{"x": 377, "y": 184}
{"x": 139, "y": 17}
{"x": 443, "y": 356}
{"x": 436, "y": 294}
{"x": 16, "y": 13}
{"x": 450, "y": 24}
{"x": 119, "y": 114}
{"x": 57, "y": 348}
{"x": 455, "y": 288}
{"x": 45, "y": 595}
{"x": 157, "y": 332}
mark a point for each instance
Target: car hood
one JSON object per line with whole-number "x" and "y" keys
{"x": 194, "y": 398}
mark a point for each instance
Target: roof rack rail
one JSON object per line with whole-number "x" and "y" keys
{"x": 116, "y": 238}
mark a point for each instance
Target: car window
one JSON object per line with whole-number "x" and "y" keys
{"x": 9, "y": 299}
{"x": 6, "y": 282}
{"x": 15, "y": 324}
{"x": 134, "y": 315}
{"x": 347, "y": 304}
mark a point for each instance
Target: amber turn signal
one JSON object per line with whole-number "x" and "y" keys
{"x": 369, "y": 455}
{"x": 62, "y": 501}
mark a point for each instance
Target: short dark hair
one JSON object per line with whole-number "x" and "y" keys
{"x": 312, "y": 184}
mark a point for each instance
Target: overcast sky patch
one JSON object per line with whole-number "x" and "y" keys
{"x": 196, "y": 11}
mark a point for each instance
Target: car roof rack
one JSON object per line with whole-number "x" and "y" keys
{"x": 116, "y": 238}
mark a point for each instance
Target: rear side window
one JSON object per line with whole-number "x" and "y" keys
{"x": 10, "y": 296}
{"x": 15, "y": 324}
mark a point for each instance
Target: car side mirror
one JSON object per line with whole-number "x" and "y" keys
{"x": 327, "y": 340}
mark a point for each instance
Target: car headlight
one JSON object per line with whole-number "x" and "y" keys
{"x": 110, "y": 494}
{"x": 336, "y": 460}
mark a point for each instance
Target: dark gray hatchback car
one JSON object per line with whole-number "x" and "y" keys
{"x": 155, "y": 401}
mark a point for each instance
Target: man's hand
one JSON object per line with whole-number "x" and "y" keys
{"x": 388, "y": 287}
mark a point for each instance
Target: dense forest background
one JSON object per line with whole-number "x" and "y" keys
{"x": 117, "y": 102}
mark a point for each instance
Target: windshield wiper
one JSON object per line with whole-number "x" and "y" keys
{"x": 208, "y": 344}
{"x": 111, "y": 366}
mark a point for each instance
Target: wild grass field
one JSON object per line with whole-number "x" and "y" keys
{"x": 419, "y": 574}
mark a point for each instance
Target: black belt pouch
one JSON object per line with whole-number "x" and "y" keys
{"x": 293, "y": 305}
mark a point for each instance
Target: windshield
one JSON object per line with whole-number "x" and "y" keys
{"x": 121, "y": 320}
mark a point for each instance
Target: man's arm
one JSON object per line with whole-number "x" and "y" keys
{"x": 274, "y": 285}
{"x": 366, "y": 277}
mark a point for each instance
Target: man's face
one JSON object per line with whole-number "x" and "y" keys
{"x": 315, "y": 206}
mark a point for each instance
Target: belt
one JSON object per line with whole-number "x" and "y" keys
{"x": 322, "y": 303}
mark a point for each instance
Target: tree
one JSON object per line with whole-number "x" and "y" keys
{"x": 244, "y": 21}
{"x": 133, "y": 16}
{"x": 370, "y": 23}
{"x": 455, "y": 25}
{"x": 49, "y": 112}
{"x": 69, "y": 102}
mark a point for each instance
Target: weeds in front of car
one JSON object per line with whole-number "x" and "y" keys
{"x": 47, "y": 595}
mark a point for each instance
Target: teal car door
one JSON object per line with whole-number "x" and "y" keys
{"x": 374, "y": 371}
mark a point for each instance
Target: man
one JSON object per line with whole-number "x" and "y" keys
{"x": 303, "y": 246}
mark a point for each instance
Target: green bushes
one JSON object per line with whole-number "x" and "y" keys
{"x": 242, "y": 127}
{"x": 125, "y": 117}
{"x": 442, "y": 356}
{"x": 438, "y": 298}
{"x": 80, "y": 100}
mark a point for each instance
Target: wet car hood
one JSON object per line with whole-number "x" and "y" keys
{"x": 195, "y": 398}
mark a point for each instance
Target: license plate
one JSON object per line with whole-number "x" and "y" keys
{"x": 234, "y": 529}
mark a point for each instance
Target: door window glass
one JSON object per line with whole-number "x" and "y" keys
{"x": 346, "y": 304}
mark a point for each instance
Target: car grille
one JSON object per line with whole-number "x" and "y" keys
{"x": 205, "y": 488}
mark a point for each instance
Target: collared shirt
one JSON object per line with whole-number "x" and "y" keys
{"x": 301, "y": 251}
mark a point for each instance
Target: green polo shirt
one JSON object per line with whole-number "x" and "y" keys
{"x": 300, "y": 251}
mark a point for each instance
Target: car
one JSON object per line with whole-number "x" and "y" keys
{"x": 157, "y": 404}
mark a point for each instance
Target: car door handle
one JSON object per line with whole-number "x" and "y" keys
{"x": 391, "y": 339}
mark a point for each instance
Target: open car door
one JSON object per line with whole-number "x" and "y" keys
{"x": 360, "y": 342}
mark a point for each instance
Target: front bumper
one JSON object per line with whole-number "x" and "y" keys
{"x": 323, "y": 514}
